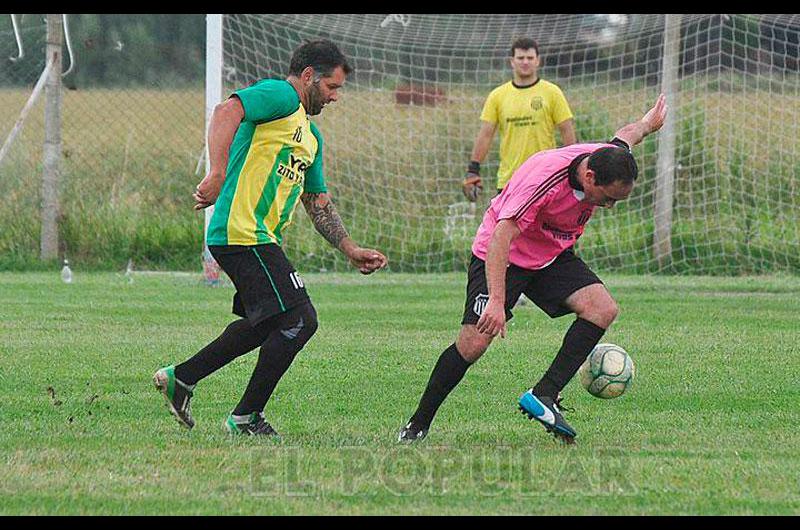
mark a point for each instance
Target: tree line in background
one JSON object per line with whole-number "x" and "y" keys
{"x": 112, "y": 50}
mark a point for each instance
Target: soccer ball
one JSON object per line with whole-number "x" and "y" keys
{"x": 607, "y": 372}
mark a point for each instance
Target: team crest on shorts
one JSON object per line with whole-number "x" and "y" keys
{"x": 480, "y": 304}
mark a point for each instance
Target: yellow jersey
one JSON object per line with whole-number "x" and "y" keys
{"x": 275, "y": 157}
{"x": 527, "y": 118}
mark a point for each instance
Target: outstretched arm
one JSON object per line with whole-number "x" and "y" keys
{"x": 635, "y": 132}
{"x": 329, "y": 224}
{"x": 493, "y": 319}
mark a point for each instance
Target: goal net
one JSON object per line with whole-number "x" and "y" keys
{"x": 22, "y": 55}
{"x": 399, "y": 139}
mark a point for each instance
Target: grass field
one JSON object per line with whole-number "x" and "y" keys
{"x": 709, "y": 426}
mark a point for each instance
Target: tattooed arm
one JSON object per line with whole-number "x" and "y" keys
{"x": 326, "y": 220}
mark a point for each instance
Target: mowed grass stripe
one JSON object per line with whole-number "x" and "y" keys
{"x": 708, "y": 426}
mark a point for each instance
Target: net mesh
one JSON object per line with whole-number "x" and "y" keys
{"x": 399, "y": 139}
{"x": 131, "y": 139}
{"x": 24, "y": 157}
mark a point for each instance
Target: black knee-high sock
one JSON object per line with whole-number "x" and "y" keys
{"x": 237, "y": 339}
{"x": 290, "y": 333}
{"x": 448, "y": 372}
{"x": 581, "y": 337}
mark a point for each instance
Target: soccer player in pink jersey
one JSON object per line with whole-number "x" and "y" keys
{"x": 524, "y": 245}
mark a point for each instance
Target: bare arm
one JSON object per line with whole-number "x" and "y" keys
{"x": 493, "y": 319}
{"x": 472, "y": 182}
{"x": 329, "y": 224}
{"x": 635, "y": 132}
{"x": 567, "y": 130}
{"x": 222, "y": 128}
{"x": 484, "y": 141}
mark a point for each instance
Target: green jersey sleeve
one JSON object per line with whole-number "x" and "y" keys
{"x": 268, "y": 100}
{"x": 315, "y": 180}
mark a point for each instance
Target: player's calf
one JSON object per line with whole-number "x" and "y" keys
{"x": 446, "y": 374}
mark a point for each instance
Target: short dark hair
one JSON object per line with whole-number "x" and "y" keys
{"x": 322, "y": 55}
{"x": 524, "y": 43}
{"x": 611, "y": 164}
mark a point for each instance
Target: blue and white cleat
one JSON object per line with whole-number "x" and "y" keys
{"x": 545, "y": 411}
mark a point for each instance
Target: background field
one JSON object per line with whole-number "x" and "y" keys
{"x": 709, "y": 426}
{"x": 127, "y": 180}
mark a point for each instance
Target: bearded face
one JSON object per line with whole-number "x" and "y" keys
{"x": 316, "y": 99}
{"x": 323, "y": 90}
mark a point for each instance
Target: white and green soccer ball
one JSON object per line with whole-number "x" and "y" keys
{"x": 607, "y": 372}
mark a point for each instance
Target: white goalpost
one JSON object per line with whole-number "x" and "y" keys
{"x": 717, "y": 187}
{"x": 212, "y": 98}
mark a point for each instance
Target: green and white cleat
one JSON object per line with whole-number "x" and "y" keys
{"x": 253, "y": 424}
{"x": 177, "y": 394}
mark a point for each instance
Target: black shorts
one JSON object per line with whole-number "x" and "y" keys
{"x": 548, "y": 288}
{"x": 266, "y": 283}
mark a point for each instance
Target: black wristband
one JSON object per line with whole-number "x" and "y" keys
{"x": 474, "y": 167}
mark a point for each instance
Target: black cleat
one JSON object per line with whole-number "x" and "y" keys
{"x": 176, "y": 394}
{"x": 412, "y": 433}
{"x": 546, "y": 411}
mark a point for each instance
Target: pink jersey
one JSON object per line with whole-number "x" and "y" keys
{"x": 547, "y": 209}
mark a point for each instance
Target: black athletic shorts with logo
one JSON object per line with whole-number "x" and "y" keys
{"x": 266, "y": 283}
{"x": 548, "y": 288}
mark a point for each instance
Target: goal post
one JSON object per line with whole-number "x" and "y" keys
{"x": 51, "y": 172}
{"x": 212, "y": 97}
{"x": 665, "y": 175}
{"x": 716, "y": 191}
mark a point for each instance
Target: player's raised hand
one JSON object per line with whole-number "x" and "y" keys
{"x": 655, "y": 117}
{"x": 493, "y": 320}
{"x": 367, "y": 260}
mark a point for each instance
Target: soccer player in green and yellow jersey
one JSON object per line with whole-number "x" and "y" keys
{"x": 266, "y": 156}
{"x": 527, "y": 111}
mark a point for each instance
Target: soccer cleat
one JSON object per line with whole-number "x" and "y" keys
{"x": 412, "y": 433}
{"x": 256, "y": 425}
{"x": 560, "y": 404}
{"x": 545, "y": 411}
{"x": 177, "y": 395}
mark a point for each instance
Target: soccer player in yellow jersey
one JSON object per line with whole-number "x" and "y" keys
{"x": 266, "y": 157}
{"x": 527, "y": 110}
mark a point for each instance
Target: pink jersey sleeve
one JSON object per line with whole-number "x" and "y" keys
{"x": 531, "y": 187}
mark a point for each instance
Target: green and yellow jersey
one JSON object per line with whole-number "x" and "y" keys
{"x": 275, "y": 156}
{"x": 526, "y": 117}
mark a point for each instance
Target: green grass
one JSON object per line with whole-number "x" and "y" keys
{"x": 709, "y": 426}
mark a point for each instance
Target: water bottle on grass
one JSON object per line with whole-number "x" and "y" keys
{"x": 66, "y": 273}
